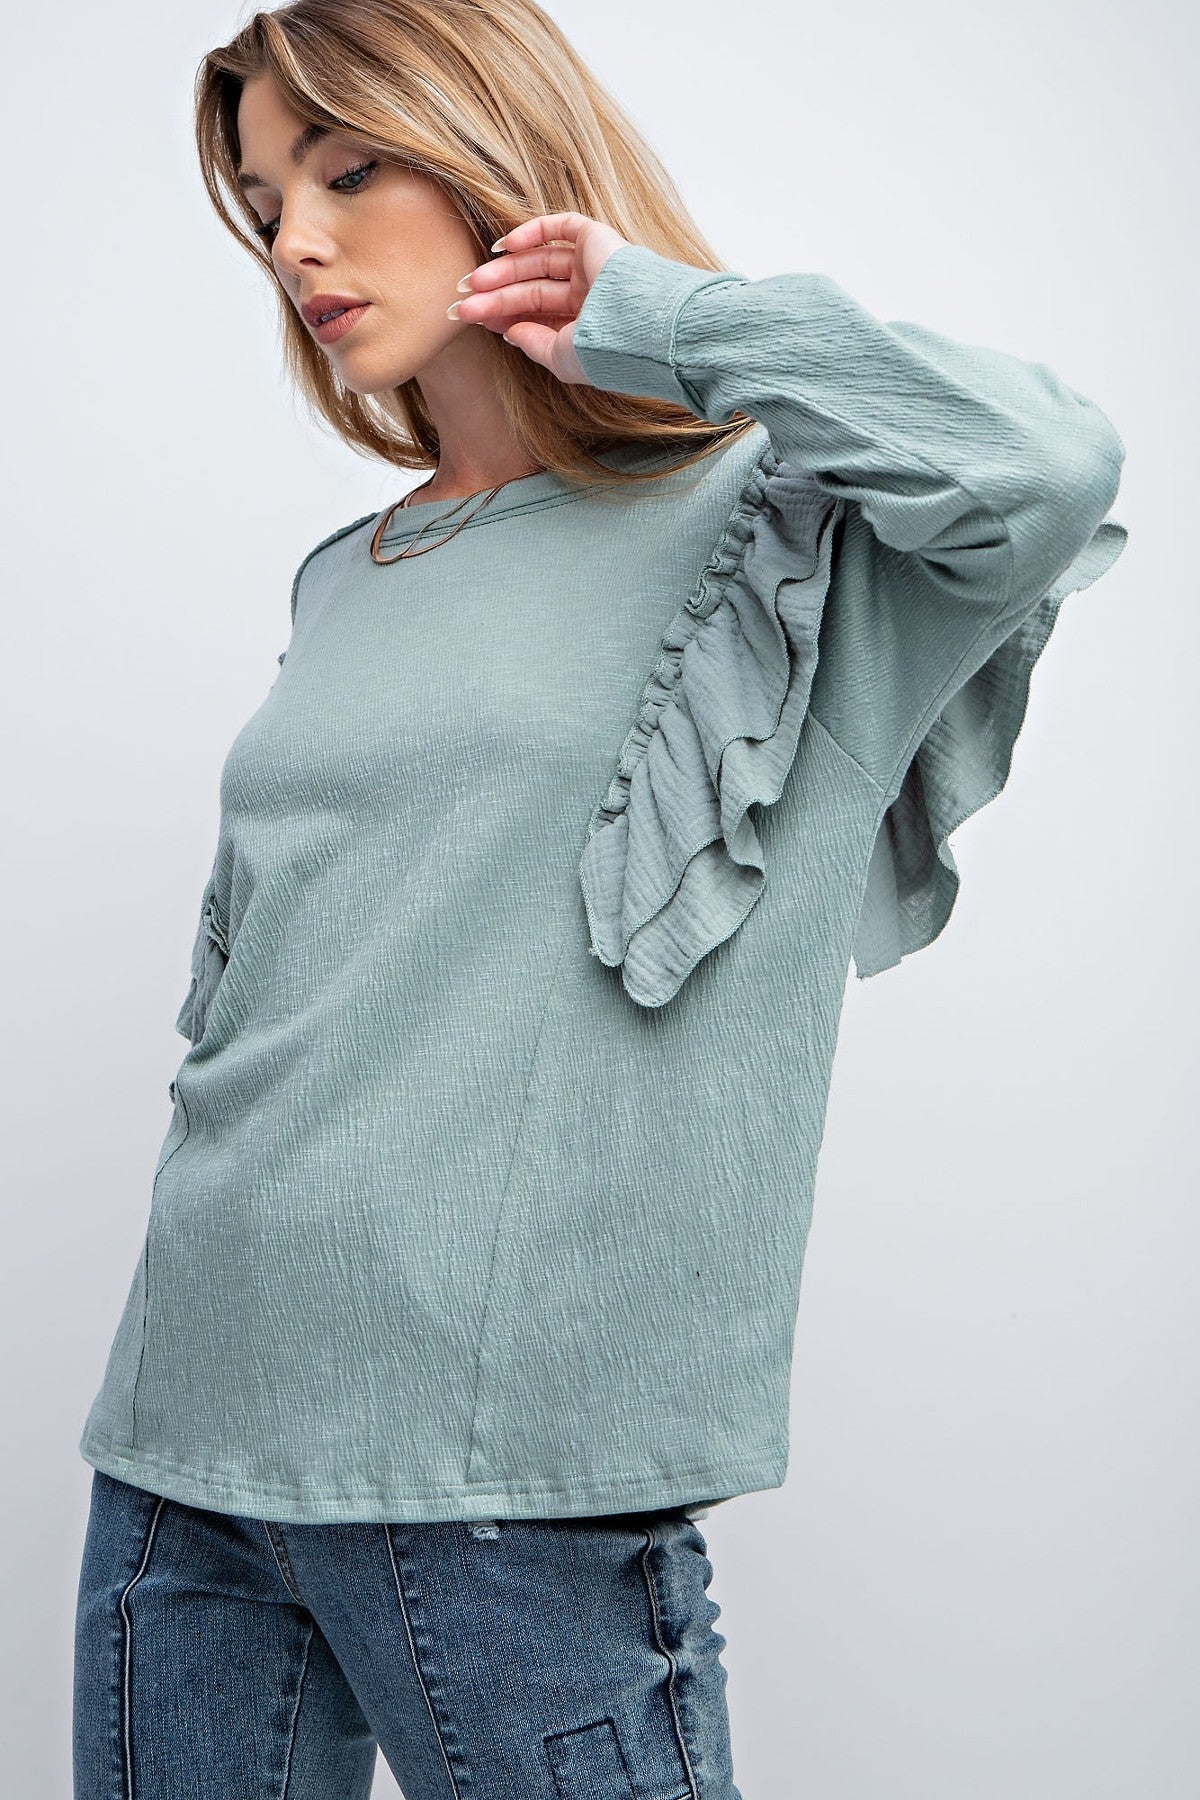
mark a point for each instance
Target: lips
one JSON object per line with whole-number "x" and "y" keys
{"x": 313, "y": 310}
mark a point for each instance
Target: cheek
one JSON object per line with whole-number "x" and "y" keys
{"x": 422, "y": 273}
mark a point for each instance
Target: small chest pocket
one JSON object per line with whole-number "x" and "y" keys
{"x": 210, "y": 954}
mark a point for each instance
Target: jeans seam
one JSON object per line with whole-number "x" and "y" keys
{"x": 656, "y": 1617}
{"x": 283, "y": 1563}
{"x": 127, "y": 1645}
{"x": 416, "y": 1661}
{"x": 287, "y": 1767}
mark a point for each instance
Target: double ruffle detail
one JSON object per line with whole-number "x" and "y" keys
{"x": 210, "y": 954}
{"x": 960, "y": 765}
{"x": 672, "y": 863}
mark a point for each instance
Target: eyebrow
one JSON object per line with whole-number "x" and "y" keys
{"x": 303, "y": 143}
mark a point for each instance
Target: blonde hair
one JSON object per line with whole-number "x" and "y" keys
{"x": 490, "y": 99}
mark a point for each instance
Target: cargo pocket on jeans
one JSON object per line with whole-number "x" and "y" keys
{"x": 587, "y": 1763}
{"x": 210, "y": 954}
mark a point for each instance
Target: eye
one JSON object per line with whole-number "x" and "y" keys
{"x": 364, "y": 169}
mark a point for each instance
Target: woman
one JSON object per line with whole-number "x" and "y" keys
{"x": 474, "y": 1250}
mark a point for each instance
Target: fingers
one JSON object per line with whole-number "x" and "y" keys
{"x": 532, "y": 294}
{"x": 556, "y": 261}
{"x": 543, "y": 298}
{"x": 531, "y": 232}
{"x": 537, "y": 341}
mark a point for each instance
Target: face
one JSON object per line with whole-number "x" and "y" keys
{"x": 380, "y": 234}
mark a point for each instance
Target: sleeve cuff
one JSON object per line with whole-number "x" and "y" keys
{"x": 625, "y": 329}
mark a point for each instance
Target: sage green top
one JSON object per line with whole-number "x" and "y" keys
{"x": 540, "y": 871}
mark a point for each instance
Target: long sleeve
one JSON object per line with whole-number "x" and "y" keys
{"x": 977, "y": 488}
{"x": 990, "y": 470}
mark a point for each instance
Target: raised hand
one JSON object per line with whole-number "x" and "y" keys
{"x": 532, "y": 294}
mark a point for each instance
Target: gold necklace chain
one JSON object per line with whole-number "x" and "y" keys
{"x": 403, "y": 555}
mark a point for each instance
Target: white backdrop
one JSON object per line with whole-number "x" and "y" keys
{"x": 981, "y": 1577}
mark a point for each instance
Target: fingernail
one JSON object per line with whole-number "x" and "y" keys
{"x": 452, "y": 311}
{"x": 499, "y": 244}
{"x": 464, "y": 286}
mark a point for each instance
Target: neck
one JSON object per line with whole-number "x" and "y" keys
{"x": 457, "y": 483}
{"x": 477, "y": 448}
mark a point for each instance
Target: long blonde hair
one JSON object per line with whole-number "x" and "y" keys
{"x": 490, "y": 99}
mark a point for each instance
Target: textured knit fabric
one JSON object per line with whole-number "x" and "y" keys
{"x": 541, "y": 869}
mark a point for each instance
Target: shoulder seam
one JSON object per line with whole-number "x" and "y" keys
{"x": 341, "y": 532}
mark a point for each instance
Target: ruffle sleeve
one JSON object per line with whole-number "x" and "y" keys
{"x": 960, "y": 764}
{"x": 210, "y": 954}
{"x": 672, "y": 863}
{"x": 981, "y": 479}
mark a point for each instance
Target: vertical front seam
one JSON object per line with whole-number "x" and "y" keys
{"x": 150, "y": 1222}
{"x": 490, "y": 1285}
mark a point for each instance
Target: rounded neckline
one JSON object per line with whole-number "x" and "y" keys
{"x": 525, "y": 491}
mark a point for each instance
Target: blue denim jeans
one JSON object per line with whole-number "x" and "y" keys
{"x": 227, "y": 1658}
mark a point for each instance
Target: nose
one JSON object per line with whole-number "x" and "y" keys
{"x": 299, "y": 245}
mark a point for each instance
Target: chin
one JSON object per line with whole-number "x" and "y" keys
{"x": 376, "y": 369}
{"x": 372, "y": 382}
